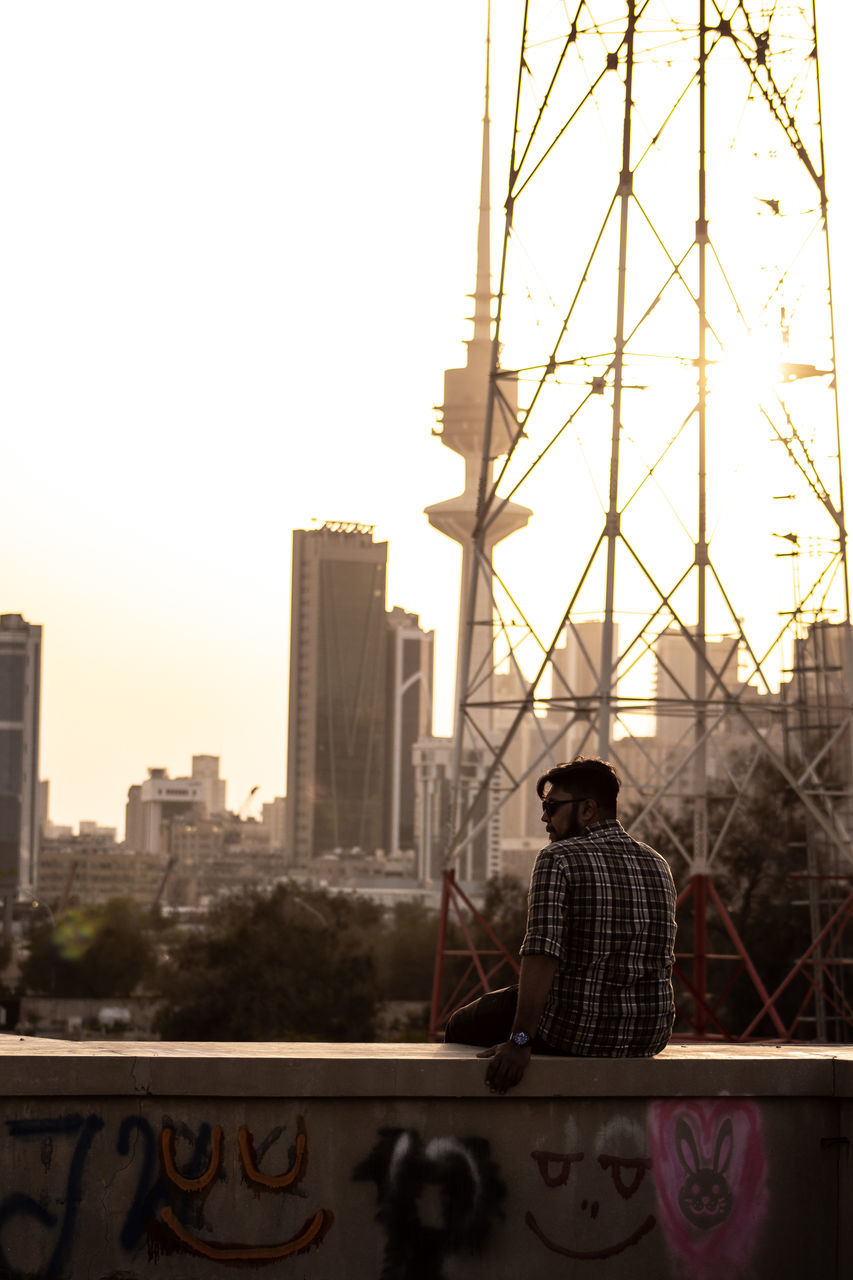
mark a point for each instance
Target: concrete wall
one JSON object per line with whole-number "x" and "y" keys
{"x": 394, "y": 1162}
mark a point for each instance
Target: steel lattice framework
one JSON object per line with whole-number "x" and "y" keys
{"x": 663, "y": 398}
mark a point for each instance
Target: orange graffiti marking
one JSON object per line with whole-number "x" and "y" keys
{"x": 254, "y": 1174}
{"x": 311, "y": 1233}
{"x": 167, "y": 1152}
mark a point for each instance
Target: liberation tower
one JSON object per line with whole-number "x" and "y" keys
{"x": 463, "y": 418}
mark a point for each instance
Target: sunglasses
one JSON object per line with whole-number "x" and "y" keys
{"x": 550, "y": 807}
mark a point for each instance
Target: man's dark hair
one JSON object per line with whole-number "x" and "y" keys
{"x": 585, "y": 777}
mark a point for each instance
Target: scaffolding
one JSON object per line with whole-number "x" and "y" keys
{"x": 662, "y": 394}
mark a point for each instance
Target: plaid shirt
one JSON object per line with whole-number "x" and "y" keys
{"x": 604, "y": 905}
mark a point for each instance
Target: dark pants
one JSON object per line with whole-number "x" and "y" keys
{"x": 488, "y": 1021}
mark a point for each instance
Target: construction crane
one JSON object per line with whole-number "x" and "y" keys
{"x": 243, "y": 811}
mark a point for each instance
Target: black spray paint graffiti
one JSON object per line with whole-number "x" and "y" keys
{"x": 705, "y": 1199}
{"x": 435, "y": 1198}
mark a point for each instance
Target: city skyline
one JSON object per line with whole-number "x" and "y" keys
{"x": 209, "y": 341}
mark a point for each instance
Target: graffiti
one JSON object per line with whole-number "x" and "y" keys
{"x": 616, "y": 1164}
{"x": 167, "y": 1157}
{"x": 710, "y": 1173}
{"x": 435, "y": 1199}
{"x": 311, "y": 1232}
{"x": 167, "y": 1202}
{"x": 562, "y": 1165}
{"x": 624, "y": 1175}
{"x": 19, "y": 1205}
{"x": 680, "y": 1185}
{"x": 705, "y": 1199}
{"x": 149, "y": 1188}
{"x": 249, "y": 1160}
{"x": 185, "y": 1222}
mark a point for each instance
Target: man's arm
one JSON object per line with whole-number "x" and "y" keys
{"x": 509, "y": 1061}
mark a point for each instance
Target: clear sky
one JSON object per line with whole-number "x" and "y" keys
{"x": 237, "y": 241}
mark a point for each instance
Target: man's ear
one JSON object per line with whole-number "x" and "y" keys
{"x": 588, "y": 812}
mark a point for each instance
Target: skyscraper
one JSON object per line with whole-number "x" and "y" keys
{"x": 409, "y": 666}
{"x": 336, "y": 724}
{"x": 20, "y": 696}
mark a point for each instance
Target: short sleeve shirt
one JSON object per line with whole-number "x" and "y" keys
{"x": 604, "y": 905}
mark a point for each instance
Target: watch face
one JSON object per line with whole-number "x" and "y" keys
{"x": 521, "y": 1038}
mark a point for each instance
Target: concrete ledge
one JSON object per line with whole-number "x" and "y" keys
{"x": 31, "y": 1067}
{"x": 393, "y": 1162}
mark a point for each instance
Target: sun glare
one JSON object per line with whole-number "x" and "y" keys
{"x": 748, "y": 374}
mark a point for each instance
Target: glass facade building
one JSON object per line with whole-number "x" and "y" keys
{"x": 20, "y": 693}
{"x": 336, "y": 726}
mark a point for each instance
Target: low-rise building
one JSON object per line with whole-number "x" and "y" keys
{"x": 77, "y": 872}
{"x": 152, "y": 804}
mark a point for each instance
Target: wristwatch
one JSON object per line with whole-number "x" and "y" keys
{"x": 521, "y": 1038}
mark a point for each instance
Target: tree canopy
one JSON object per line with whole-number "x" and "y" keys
{"x": 296, "y": 964}
{"x": 307, "y": 964}
{"x": 96, "y": 951}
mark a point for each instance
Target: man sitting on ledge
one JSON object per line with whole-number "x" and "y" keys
{"x": 597, "y": 957}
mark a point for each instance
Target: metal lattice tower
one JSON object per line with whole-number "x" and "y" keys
{"x": 663, "y": 398}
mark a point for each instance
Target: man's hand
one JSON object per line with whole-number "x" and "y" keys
{"x": 507, "y": 1066}
{"x": 509, "y": 1060}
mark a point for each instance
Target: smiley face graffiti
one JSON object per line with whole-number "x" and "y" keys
{"x": 311, "y": 1232}
{"x": 627, "y": 1173}
{"x": 623, "y": 1174}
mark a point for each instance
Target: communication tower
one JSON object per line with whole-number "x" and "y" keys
{"x": 662, "y": 394}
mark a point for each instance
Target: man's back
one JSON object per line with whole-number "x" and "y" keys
{"x": 604, "y": 905}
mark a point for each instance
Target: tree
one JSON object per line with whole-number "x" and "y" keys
{"x": 296, "y": 964}
{"x": 505, "y": 908}
{"x": 406, "y": 952}
{"x": 97, "y": 951}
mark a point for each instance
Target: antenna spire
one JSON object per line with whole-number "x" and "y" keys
{"x": 483, "y": 288}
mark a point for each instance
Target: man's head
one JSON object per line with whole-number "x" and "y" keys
{"x": 576, "y": 794}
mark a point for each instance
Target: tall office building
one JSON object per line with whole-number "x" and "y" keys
{"x": 409, "y": 667}
{"x": 20, "y": 695}
{"x": 336, "y": 724}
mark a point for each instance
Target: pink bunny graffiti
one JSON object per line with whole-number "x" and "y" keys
{"x": 705, "y": 1199}
{"x": 711, "y": 1179}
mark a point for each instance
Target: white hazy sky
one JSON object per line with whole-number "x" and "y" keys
{"x": 236, "y": 244}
